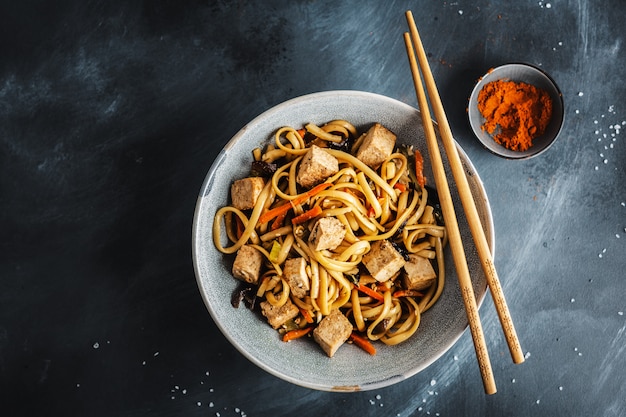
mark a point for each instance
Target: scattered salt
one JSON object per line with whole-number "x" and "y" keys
{"x": 460, "y": 12}
{"x": 548, "y": 5}
{"x": 199, "y": 404}
{"x": 572, "y": 300}
{"x": 580, "y": 94}
{"x": 620, "y": 313}
{"x": 560, "y": 388}
{"x": 433, "y": 382}
{"x": 96, "y": 345}
{"x": 156, "y": 354}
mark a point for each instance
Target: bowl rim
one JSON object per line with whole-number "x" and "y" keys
{"x": 561, "y": 116}
{"x": 206, "y": 186}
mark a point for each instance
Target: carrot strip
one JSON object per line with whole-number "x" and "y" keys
{"x": 278, "y": 221}
{"x": 363, "y": 343}
{"x": 400, "y": 186}
{"x": 370, "y": 292}
{"x": 419, "y": 168}
{"x": 407, "y": 293}
{"x": 295, "y": 334}
{"x": 284, "y": 208}
{"x": 307, "y": 315}
{"x": 307, "y": 215}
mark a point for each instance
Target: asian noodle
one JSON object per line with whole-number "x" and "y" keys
{"x": 369, "y": 204}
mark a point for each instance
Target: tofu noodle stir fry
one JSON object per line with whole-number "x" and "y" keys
{"x": 335, "y": 234}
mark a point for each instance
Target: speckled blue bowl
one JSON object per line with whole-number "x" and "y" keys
{"x": 302, "y": 362}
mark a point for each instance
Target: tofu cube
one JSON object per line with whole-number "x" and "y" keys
{"x": 245, "y": 192}
{"x": 316, "y": 166}
{"x": 332, "y": 332}
{"x": 296, "y": 276}
{"x": 377, "y": 146}
{"x": 247, "y": 265}
{"x": 327, "y": 233}
{"x": 383, "y": 261}
{"x": 278, "y": 316}
{"x": 418, "y": 273}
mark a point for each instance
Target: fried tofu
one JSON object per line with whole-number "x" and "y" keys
{"x": 327, "y": 233}
{"x": 245, "y": 192}
{"x": 377, "y": 146}
{"x": 296, "y": 276}
{"x": 332, "y": 332}
{"x": 316, "y": 166}
{"x": 383, "y": 261}
{"x": 248, "y": 264}
{"x": 418, "y": 273}
{"x": 278, "y": 316}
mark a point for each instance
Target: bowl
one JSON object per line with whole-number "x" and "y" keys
{"x": 302, "y": 362}
{"x": 518, "y": 73}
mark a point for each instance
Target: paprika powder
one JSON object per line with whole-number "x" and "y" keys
{"x": 515, "y": 112}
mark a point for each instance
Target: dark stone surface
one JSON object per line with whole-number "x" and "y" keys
{"x": 111, "y": 114}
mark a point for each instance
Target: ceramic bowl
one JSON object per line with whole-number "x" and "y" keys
{"x": 518, "y": 73}
{"x": 302, "y": 361}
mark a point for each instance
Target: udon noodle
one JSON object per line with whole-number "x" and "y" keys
{"x": 387, "y": 203}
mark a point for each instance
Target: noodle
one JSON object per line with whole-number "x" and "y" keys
{"x": 370, "y": 206}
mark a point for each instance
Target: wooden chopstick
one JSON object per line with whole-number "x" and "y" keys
{"x": 452, "y": 228}
{"x": 467, "y": 200}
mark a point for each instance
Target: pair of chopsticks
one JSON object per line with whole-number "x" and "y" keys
{"x": 454, "y": 236}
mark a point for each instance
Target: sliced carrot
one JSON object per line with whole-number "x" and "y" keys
{"x": 400, "y": 186}
{"x": 407, "y": 293}
{"x": 284, "y": 208}
{"x": 295, "y": 334}
{"x": 278, "y": 221}
{"x": 370, "y": 292}
{"x": 363, "y": 343}
{"x": 307, "y": 215}
{"x": 307, "y": 315}
{"x": 419, "y": 168}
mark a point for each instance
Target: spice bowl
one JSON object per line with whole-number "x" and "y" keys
{"x": 524, "y": 74}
